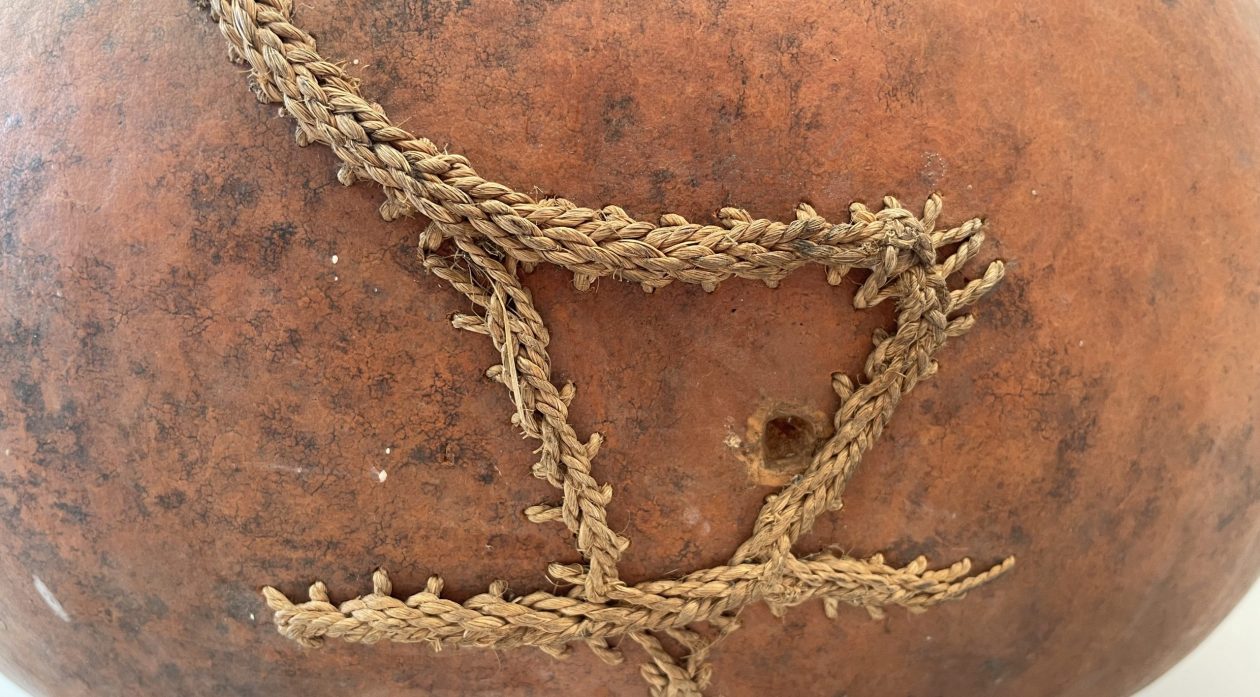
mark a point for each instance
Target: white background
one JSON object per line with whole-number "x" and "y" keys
{"x": 1226, "y": 664}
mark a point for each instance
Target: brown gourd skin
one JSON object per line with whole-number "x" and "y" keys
{"x": 195, "y": 401}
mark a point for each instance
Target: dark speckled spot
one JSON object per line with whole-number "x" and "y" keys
{"x": 1010, "y": 310}
{"x": 905, "y": 550}
{"x": 171, "y": 500}
{"x": 486, "y": 475}
{"x": 274, "y": 243}
{"x": 28, "y": 394}
{"x": 75, "y": 514}
{"x": 619, "y": 115}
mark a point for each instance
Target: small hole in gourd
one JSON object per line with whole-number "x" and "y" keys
{"x": 787, "y": 444}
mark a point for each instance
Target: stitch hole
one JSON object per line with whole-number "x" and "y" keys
{"x": 787, "y": 444}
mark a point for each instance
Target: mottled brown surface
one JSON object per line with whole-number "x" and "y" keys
{"x": 194, "y": 401}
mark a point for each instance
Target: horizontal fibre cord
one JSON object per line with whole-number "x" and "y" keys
{"x": 329, "y": 109}
{"x": 542, "y": 618}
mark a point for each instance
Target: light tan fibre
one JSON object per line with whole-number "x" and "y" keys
{"x": 487, "y": 231}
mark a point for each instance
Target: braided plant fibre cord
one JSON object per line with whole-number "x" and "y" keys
{"x": 480, "y": 236}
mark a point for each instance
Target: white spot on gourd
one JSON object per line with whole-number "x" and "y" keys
{"x": 696, "y": 521}
{"x": 50, "y": 600}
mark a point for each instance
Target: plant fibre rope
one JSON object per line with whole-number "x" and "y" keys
{"x": 489, "y": 232}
